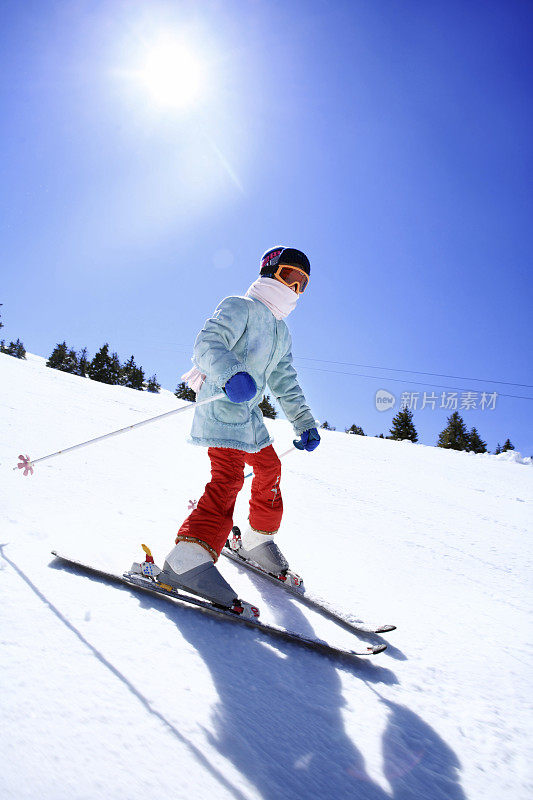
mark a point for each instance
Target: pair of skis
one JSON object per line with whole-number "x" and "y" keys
{"x": 144, "y": 581}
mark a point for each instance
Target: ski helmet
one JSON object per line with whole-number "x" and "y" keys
{"x": 283, "y": 255}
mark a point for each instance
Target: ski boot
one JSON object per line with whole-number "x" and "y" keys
{"x": 189, "y": 566}
{"x": 261, "y": 551}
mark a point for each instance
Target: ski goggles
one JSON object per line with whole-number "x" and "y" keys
{"x": 293, "y": 277}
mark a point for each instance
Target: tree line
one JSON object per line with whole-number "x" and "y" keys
{"x": 455, "y": 436}
{"x": 105, "y": 367}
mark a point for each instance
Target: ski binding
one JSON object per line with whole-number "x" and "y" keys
{"x": 288, "y": 577}
{"x": 294, "y": 584}
{"x": 147, "y": 573}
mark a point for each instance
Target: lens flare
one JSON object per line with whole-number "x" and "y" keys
{"x": 172, "y": 74}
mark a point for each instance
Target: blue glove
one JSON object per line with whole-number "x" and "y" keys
{"x": 240, "y": 388}
{"x": 309, "y": 440}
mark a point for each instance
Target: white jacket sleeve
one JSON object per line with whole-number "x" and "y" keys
{"x": 283, "y": 382}
{"x": 212, "y": 348}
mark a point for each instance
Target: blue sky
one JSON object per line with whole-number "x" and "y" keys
{"x": 390, "y": 141}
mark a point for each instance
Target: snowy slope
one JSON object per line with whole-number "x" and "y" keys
{"x": 110, "y": 694}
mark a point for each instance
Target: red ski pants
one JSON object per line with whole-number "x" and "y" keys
{"x": 211, "y": 521}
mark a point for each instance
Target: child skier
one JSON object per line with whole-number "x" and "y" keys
{"x": 243, "y": 347}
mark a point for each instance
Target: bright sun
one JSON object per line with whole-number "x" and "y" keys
{"x": 172, "y": 74}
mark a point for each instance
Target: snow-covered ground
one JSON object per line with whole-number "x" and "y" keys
{"x": 106, "y": 693}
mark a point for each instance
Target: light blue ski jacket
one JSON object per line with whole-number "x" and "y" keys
{"x": 243, "y": 335}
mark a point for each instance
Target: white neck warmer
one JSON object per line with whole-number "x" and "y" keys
{"x": 280, "y": 299}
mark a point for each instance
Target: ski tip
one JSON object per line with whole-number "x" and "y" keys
{"x": 386, "y": 628}
{"x": 371, "y": 650}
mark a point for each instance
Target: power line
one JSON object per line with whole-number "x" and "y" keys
{"x": 413, "y": 372}
{"x": 405, "y": 380}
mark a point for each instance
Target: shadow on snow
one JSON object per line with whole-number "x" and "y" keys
{"x": 279, "y": 718}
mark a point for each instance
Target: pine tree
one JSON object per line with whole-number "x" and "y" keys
{"x": 15, "y": 349}
{"x": 116, "y": 368}
{"x": 267, "y": 408}
{"x": 380, "y": 436}
{"x": 105, "y": 368}
{"x": 355, "y": 429}
{"x": 131, "y": 375}
{"x": 326, "y": 426}
{"x": 57, "y": 357}
{"x": 476, "y": 443}
{"x": 507, "y": 446}
{"x": 153, "y": 385}
{"x": 64, "y": 359}
{"x": 83, "y": 363}
{"x": 455, "y": 435}
{"x": 498, "y": 449}
{"x": 72, "y": 363}
{"x": 183, "y": 392}
{"x": 403, "y": 426}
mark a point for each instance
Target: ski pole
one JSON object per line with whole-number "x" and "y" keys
{"x": 27, "y": 464}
